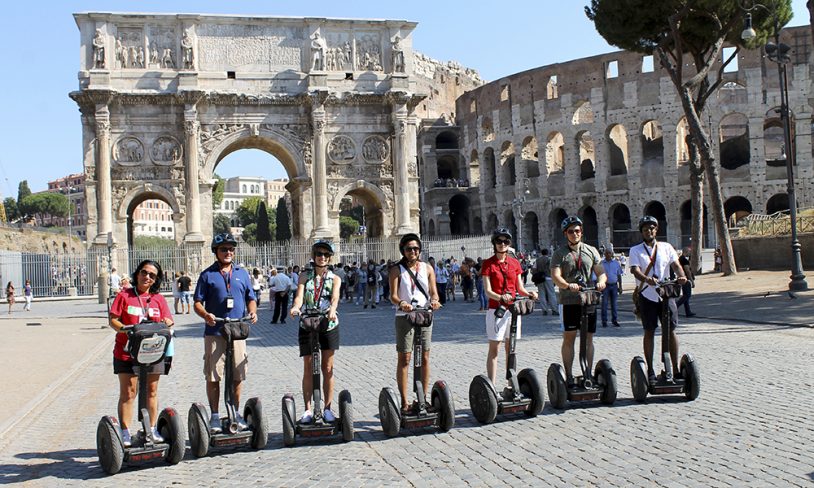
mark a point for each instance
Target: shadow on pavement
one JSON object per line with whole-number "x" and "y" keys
{"x": 65, "y": 465}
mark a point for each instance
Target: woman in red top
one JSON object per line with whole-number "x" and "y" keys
{"x": 501, "y": 281}
{"x": 130, "y": 305}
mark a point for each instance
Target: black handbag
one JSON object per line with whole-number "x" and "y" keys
{"x": 317, "y": 323}
{"x": 236, "y": 331}
{"x": 523, "y": 307}
{"x": 420, "y": 318}
{"x": 671, "y": 290}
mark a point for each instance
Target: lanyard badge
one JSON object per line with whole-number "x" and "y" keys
{"x": 230, "y": 302}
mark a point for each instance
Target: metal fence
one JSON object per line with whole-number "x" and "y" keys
{"x": 776, "y": 224}
{"x": 67, "y": 274}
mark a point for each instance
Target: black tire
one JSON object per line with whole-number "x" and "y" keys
{"x": 253, "y": 414}
{"x": 639, "y": 384}
{"x": 482, "y": 399}
{"x": 198, "y": 430}
{"x": 531, "y": 387}
{"x": 289, "y": 421}
{"x": 557, "y": 389}
{"x": 606, "y": 378}
{"x": 171, "y": 428}
{"x": 389, "y": 412}
{"x": 346, "y": 415}
{"x": 109, "y": 446}
{"x": 442, "y": 401}
{"x": 692, "y": 377}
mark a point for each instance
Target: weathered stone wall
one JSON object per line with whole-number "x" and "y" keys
{"x": 600, "y": 137}
{"x": 32, "y": 241}
{"x": 772, "y": 252}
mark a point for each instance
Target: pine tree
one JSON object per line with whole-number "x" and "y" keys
{"x": 22, "y": 192}
{"x": 283, "y": 225}
{"x": 263, "y": 228}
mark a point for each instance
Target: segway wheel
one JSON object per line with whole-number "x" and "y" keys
{"x": 442, "y": 401}
{"x": 389, "y": 414}
{"x": 198, "y": 430}
{"x": 109, "y": 445}
{"x": 530, "y": 387}
{"x": 638, "y": 379}
{"x": 289, "y": 420}
{"x": 346, "y": 415}
{"x": 171, "y": 428}
{"x": 692, "y": 377}
{"x": 557, "y": 389}
{"x": 253, "y": 414}
{"x": 606, "y": 378}
{"x": 482, "y": 400}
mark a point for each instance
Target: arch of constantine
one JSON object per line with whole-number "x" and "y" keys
{"x": 603, "y": 138}
{"x": 164, "y": 98}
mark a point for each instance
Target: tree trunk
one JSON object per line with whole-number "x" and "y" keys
{"x": 713, "y": 182}
{"x": 697, "y": 199}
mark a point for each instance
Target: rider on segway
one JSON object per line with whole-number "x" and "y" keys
{"x": 319, "y": 288}
{"x": 571, "y": 267}
{"x": 650, "y": 262}
{"x": 130, "y": 307}
{"x": 412, "y": 284}
{"x": 501, "y": 282}
{"x": 224, "y": 289}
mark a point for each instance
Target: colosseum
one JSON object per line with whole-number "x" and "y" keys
{"x": 603, "y": 138}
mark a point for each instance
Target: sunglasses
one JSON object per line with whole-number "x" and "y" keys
{"x": 226, "y": 249}
{"x": 503, "y": 242}
{"x": 650, "y": 227}
{"x": 412, "y": 249}
{"x": 321, "y": 254}
{"x": 147, "y": 274}
{"x": 573, "y": 231}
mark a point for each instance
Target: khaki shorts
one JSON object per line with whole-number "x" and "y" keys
{"x": 215, "y": 358}
{"x": 404, "y": 335}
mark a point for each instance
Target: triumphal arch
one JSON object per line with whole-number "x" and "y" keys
{"x": 164, "y": 98}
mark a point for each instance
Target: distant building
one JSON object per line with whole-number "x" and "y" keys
{"x": 239, "y": 188}
{"x": 153, "y": 218}
{"x": 73, "y": 186}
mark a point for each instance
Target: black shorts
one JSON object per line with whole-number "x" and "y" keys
{"x": 121, "y": 366}
{"x": 328, "y": 341}
{"x": 651, "y": 313}
{"x": 572, "y": 318}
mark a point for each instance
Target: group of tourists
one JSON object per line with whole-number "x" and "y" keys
{"x": 227, "y": 290}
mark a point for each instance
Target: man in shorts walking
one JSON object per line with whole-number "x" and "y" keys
{"x": 224, "y": 289}
{"x": 184, "y": 285}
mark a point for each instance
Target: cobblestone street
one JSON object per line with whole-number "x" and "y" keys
{"x": 750, "y": 426}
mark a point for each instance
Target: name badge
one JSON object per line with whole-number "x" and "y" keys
{"x": 230, "y": 303}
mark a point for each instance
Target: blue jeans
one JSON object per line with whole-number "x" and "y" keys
{"x": 609, "y": 294}
{"x": 484, "y": 303}
{"x": 686, "y": 294}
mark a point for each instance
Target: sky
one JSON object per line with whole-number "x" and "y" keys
{"x": 40, "y": 130}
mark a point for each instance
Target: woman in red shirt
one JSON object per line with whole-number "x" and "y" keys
{"x": 130, "y": 305}
{"x": 501, "y": 281}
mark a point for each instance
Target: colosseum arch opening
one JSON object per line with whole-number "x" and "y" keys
{"x": 489, "y": 170}
{"x": 474, "y": 169}
{"x": 621, "y": 227}
{"x": 777, "y": 203}
{"x": 530, "y": 157}
{"x": 734, "y": 146}
{"x": 617, "y": 149}
{"x": 774, "y": 144}
{"x": 448, "y": 167}
{"x": 459, "y": 215}
{"x": 507, "y": 165}
{"x": 590, "y": 227}
{"x": 587, "y": 156}
{"x": 584, "y": 114}
{"x": 477, "y": 226}
{"x": 531, "y": 232}
{"x": 685, "y": 214}
{"x": 492, "y": 223}
{"x": 555, "y": 219}
{"x": 652, "y": 141}
{"x": 151, "y": 214}
{"x": 736, "y": 208}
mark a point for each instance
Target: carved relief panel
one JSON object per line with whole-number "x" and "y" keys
{"x": 339, "y": 56}
{"x": 128, "y": 151}
{"x": 342, "y": 149}
{"x": 250, "y": 47}
{"x": 369, "y": 52}
{"x": 130, "y": 48}
{"x": 162, "y": 43}
{"x": 166, "y": 151}
{"x": 375, "y": 149}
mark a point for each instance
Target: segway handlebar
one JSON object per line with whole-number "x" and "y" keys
{"x": 226, "y": 320}
{"x": 313, "y": 312}
{"x": 667, "y": 282}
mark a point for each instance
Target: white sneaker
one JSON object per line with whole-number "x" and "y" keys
{"x": 307, "y": 417}
{"x": 156, "y": 436}
{"x": 214, "y": 424}
{"x": 126, "y": 440}
{"x": 328, "y": 415}
{"x": 241, "y": 424}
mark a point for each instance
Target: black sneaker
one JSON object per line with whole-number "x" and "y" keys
{"x": 571, "y": 383}
{"x": 616, "y": 324}
{"x": 554, "y": 312}
{"x": 652, "y": 378}
{"x": 690, "y": 315}
{"x": 604, "y": 324}
{"x": 545, "y": 312}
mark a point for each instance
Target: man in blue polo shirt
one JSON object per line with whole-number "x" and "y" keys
{"x": 223, "y": 290}
{"x": 614, "y": 272}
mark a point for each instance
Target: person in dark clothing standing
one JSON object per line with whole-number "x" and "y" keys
{"x": 686, "y": 288}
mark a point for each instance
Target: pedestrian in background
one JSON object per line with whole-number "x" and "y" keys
{"x": 176, "y": 293}
{"x": 10, "y": 295}
{"x": 686, "y": 288}
{"x": 613, "y": 287}
{"x": 184, "y": 283}
{"x": 29, "y": 295}
{"x": 542, "y": 273}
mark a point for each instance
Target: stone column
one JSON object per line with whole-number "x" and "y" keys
{"x": 320, "y": 189}
{"x": 104, "y": 189}
{"x": 193, "y": 197}
{"x": 401, "y": 160}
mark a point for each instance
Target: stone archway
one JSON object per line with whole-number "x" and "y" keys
{"x": 169, "y": 119}
{"x": 123, "y": 221}
{"x": 374, "y": 201}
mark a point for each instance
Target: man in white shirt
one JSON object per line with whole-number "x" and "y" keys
{"x": 279, "y": 286}
{"x": 663, "y": 257}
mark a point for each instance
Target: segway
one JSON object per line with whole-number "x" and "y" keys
{"x": 688, "y": 381}
{"x": 147, "y": 345}
{"x": 525, "y": 393}
{"x": 438, "y": 412}
{"x": 201, "y": 438}
{"x": 315, "y": 321}
{"x": 601, "y": 385}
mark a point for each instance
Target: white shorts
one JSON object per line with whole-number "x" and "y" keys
{"x": 497, "y": 329}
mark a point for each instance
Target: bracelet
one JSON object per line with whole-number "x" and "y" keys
{"x": 403, "y": 301}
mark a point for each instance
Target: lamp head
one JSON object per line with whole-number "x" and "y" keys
{"x": 748, "y": 32}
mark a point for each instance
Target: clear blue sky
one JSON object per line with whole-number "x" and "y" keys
{"x": 40, "y": 133}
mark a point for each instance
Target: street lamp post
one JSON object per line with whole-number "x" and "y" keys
{"x": 70, "y": 230}
{"x": 517, "y": 204}
{"x": 779, "y": 53}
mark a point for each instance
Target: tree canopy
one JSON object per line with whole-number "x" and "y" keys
{"x": 283, "y": 225}
{"x": 217, "y": 192}
{"x": 12, "y": 212}
{"x": 221, "y": 224}
{"x": 45, "y": 203}
{"x": 247, "y": 211}
{"x": 22, "y": 191}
